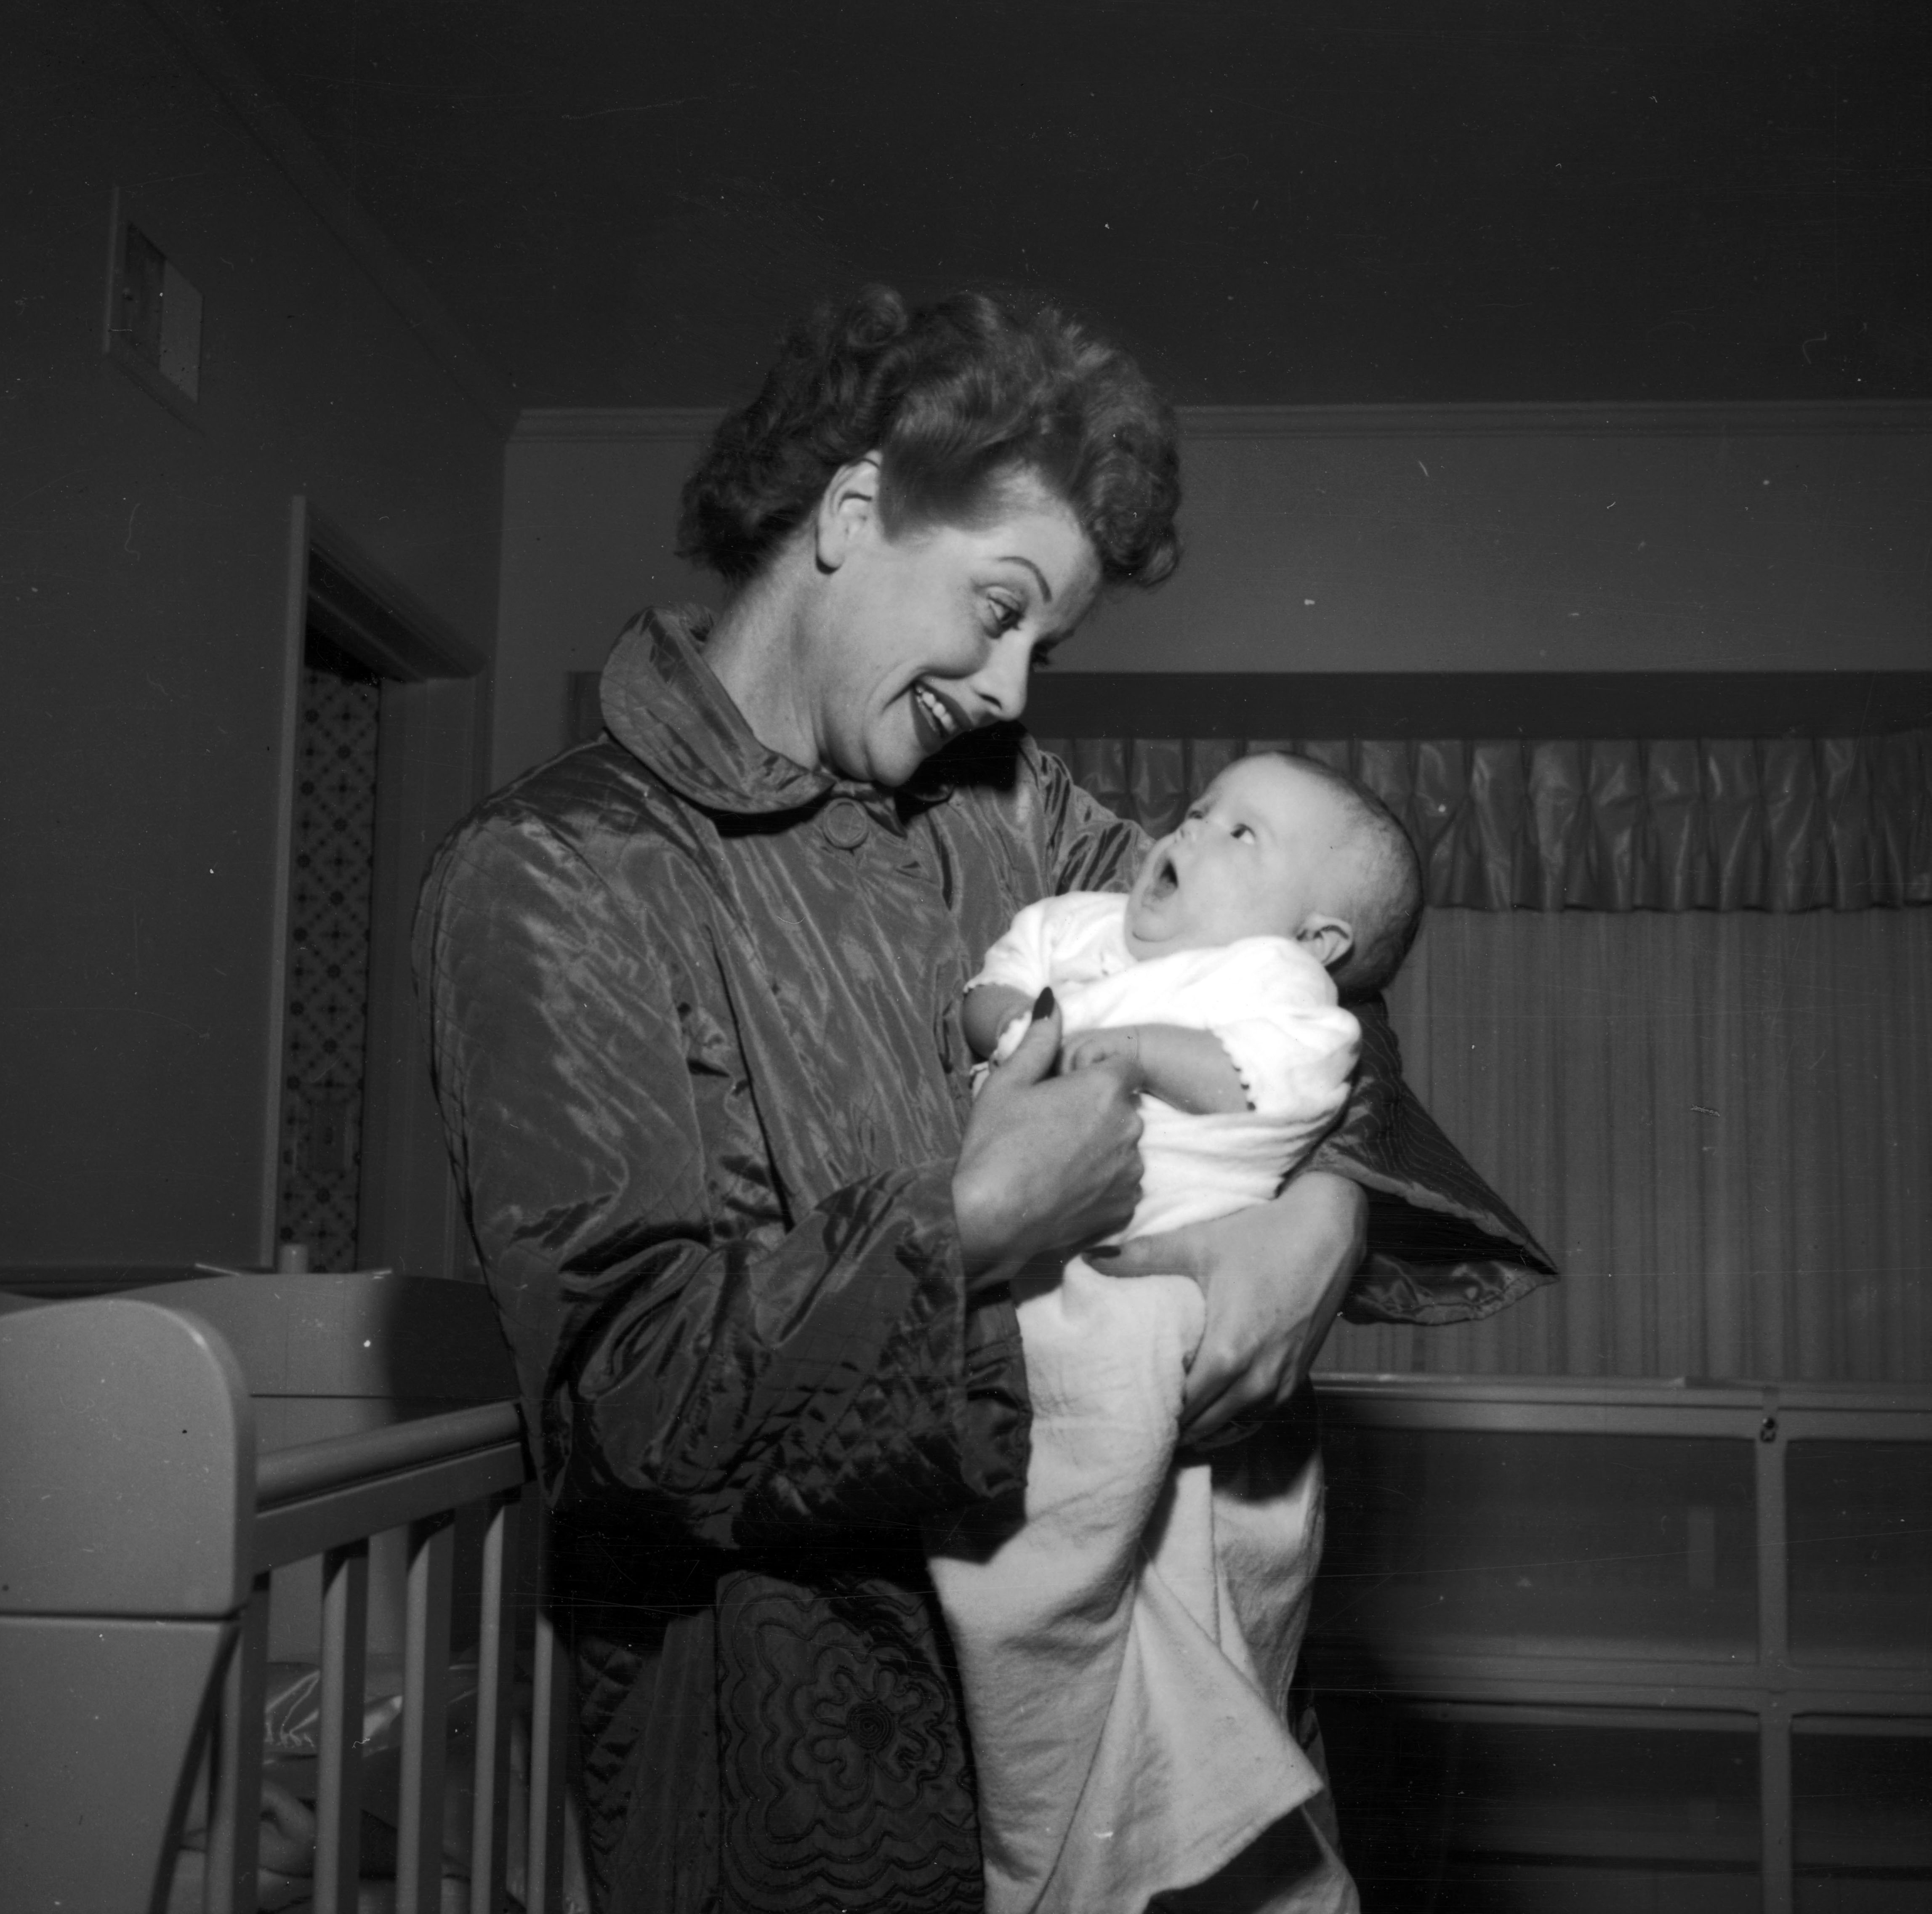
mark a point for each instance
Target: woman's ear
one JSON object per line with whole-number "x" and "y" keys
{"x": 1327, "y": 939}
{"x": 847, "y": 509}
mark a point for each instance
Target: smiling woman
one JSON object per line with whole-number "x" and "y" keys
{"x": 693, "y": 991}
{"x": 963, "y": 486}
{"x": 909, "y": 641}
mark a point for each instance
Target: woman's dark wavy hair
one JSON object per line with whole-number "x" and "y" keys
{"x": 955, "y": 396}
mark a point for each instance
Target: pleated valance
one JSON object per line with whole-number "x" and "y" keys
{"x": 1638, "y": 824}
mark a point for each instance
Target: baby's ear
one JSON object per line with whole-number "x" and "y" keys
{"x": 1328, "y": 939}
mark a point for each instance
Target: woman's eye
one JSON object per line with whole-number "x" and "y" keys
{"x": 1004, "y": 616}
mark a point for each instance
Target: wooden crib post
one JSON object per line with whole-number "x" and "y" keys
{"x": 551, "y": 1711}
{"x": 234, "y": 1820}
{"x": 338, "y": 1805}
{"x": 425, "y": 1707}
{"x": 496, "y": 1676}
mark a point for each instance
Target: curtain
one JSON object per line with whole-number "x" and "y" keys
{"x": 1720, "y": 1124}
{"x": 1724, "y": 823}
{"x": 1719, "y": 1119}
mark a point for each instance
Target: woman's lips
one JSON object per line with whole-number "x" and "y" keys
{"x": 934, "y": 715}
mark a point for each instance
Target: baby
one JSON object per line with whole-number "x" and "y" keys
{"x": 1126, "y": 1649}
{"x": 1280, "y": 849}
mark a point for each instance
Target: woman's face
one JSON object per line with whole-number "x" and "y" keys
{"x": 916, "y": 637}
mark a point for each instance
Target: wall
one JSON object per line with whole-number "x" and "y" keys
{"x": 590, "y": 515}
{"x": 144, "y": 566}
{"x": 1565, "y": 539}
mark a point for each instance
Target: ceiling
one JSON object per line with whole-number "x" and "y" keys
{"x": 1328, "y": 201}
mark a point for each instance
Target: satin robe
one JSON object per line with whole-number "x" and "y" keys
{"x": 693, "y": 1014}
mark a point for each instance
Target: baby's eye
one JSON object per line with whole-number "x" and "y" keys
{"x": 1242, "y": 834}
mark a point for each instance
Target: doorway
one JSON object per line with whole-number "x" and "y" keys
{"x": 382, "y": 738}
{"x": 325, "y": 1014}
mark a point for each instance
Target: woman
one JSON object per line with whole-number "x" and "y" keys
{"x": 693, "y": 993}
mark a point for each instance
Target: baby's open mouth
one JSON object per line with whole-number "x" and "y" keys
{"x": 1162, "y": 878}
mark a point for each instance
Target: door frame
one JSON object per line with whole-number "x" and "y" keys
{"x": 432, "y": 756}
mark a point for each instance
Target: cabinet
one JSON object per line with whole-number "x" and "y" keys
{"x": 1583, "y": 1644}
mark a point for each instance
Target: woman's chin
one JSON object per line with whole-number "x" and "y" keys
{"x": 895, "y": 759}
{"x": 888, "y": 770}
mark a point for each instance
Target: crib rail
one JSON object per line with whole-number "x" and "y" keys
{"x": 140, "y": 1528}
{"x": 328, "y": 1499}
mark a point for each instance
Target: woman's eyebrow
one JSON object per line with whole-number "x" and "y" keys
{"x": 1014, "y": 558}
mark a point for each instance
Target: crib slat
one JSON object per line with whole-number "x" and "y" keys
{"x": 338, "y": 1806}
{"x": 495, "y": 1670}
{"x": 425, "y": 1701}
{"x": 235, "y": 1822}
{"x": 549, "y": 1705}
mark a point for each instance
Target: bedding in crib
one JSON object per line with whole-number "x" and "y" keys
{"x": 292, "y": 1718}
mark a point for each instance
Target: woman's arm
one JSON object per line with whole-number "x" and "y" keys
{"x": 731, "y": 1370}
{"x": 1273, "y": 1276}
{"x": 686, "y": 1340}
{"x": 1388, "y": 1222}
{"x": 1048, "y": 1163}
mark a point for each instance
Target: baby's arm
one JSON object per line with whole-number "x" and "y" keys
{"x": 1189, "y": 1069}
{"x": 1023, "y": 958}
{"x": 988, "y": 1009}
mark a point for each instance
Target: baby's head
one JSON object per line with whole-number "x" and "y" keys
{"x": 1283, "y": 847}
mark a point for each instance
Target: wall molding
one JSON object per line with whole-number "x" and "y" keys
{"x": 641, "y": 423}
{"x": 1691, "y": 419}
{"x": 218, "y": 56}
{"x": 1068, "y": 703}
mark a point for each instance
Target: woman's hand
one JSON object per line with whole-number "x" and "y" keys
{"x": 1120, "y": 1046}
{"x": 1274, "y": 1277}
{"x": 1047, "y": 1162}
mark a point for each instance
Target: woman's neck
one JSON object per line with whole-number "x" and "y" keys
{"x": 753, "y": 651}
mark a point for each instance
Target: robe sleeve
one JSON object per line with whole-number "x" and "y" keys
{"x": 1088, "y": 847}
{"x": 734, "y": 1378}
{"x": 1442, "y": 1245}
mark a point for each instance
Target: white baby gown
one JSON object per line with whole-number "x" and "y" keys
{"x": 1127, "y": 1649}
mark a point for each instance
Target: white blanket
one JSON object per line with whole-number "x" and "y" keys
{"x": 1127, "y": 1649}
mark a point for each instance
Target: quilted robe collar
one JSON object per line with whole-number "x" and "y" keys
{"x": 663, "y": 705}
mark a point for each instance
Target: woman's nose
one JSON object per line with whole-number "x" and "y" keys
{"x": 1002, "y": 680}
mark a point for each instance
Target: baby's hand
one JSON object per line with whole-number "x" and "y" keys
{"x": 1120, "y": 1046}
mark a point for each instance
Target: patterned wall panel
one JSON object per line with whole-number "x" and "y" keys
{"x": 325, "y": 1033}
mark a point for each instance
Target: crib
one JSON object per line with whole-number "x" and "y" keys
{"x": 206, "y": 1482}
{"x": 210, "y": 1483}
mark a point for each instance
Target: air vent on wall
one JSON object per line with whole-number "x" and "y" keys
{"x": 153, "y": 326}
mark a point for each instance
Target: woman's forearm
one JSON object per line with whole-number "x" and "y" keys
{"x": 1274, "y": 1277}
{"x": 816, "y": 1381}
{"x": 1047, "y": 1162}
